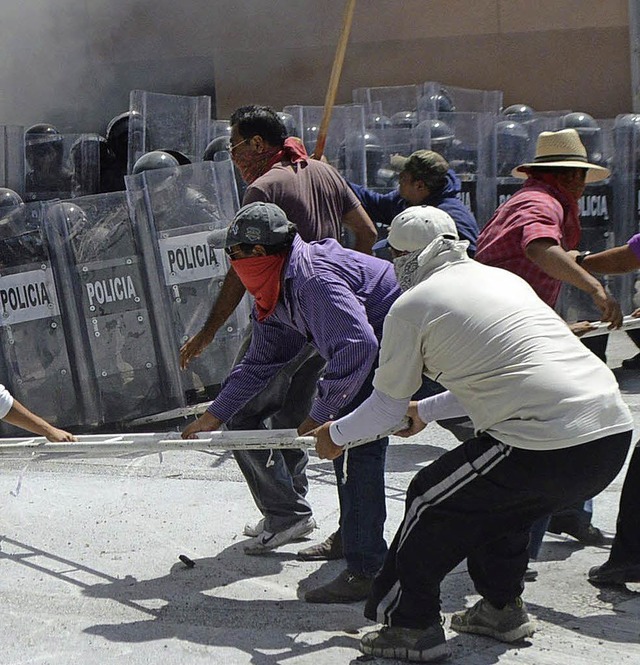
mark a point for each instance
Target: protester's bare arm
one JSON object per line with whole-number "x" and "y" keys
{"x": 228, "y": 299}
{"x": 20, "y": 416}
{"x": 364, "y": 230}
{"x": 205, "y": 423}
{"x": 557, "y": 263}
{"x": 617, "y": 260}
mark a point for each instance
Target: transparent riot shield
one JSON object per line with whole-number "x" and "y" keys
{"x": 61, "y": 166}
{"x": 219, "y": 128}
{"x": 398, "y": 103}
{"x": 168, "y": 122}
{"x": 97, "y": 260}
{"x": 597, "y": 221}
{"x": 173, "y": 211}
{"x": 626, "y": 182}
{"x": 12, "y": 158}
{"x": 43, "y": 353}
{"x": 439, "y": 99}
{"x": 344, "y": 147}
{"x": 467, "y": 142}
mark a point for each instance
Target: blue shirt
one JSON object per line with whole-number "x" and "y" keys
{"x": 334, "y": 298}
{"x": 382, "y": 208}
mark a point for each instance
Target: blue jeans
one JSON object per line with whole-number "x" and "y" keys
{"x": 277, "y": 478}
{"x": 361, "y": 495}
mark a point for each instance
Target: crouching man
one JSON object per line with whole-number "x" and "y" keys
{"x": 550, "y": 429}
{"x": 334, "y": 299}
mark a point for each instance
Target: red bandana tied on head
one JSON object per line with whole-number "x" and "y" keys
{"x": 261, "y": 277}
{"x": 251, "y": 167}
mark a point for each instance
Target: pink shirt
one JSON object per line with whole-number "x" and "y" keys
{"x": 538, "y": 210}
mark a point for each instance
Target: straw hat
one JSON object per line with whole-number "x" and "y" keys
{"x": 562, "y": 148}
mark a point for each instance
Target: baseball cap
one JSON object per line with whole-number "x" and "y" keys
{"x": 422, "y": 164}
{"x": 256, "y": 223}
{"x": 418, "y": 226}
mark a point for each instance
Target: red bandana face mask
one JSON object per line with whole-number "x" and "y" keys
{"x": 261, "y": 277}
{"x": 252, "y": 165}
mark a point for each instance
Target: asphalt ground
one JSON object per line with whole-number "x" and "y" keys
{"x": 89, "y": 568}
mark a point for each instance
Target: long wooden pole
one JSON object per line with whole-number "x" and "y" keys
{"x": 336, "y": 71}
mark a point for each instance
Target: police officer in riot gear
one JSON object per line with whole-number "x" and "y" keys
{"x": 48, "y": 177}
{"x": 512, "y": 144}
{"x": 117, "y": 135}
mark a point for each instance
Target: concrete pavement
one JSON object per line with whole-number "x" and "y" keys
{"x": 89, "y": 569}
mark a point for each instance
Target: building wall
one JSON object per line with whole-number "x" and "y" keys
{"x": 74, "y": 61}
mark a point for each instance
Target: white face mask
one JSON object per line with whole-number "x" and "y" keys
{"x": 405, "y": 267}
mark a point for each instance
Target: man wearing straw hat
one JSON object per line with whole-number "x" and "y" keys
{"x": 534, "y": 233}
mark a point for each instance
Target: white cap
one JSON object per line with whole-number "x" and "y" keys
{"x": 418, "y": 226}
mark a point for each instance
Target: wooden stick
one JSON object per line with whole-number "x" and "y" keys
{"x": 334, "y": 80}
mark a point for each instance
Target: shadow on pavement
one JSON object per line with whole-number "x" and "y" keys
{"x": 192, "y": 612}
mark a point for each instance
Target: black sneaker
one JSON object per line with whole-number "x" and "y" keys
{"x": 510, "y": 624}
{"x": 328, "y": 550}
{"x": 587, "y": 534}
{"x": 346, "y": 588}
{"x": 612, "y": 574}
{"x": 419, "y": 645}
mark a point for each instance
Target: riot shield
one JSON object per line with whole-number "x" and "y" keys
{"x": 97, "y": 261}
{"x": 515, "y": 145}
{"x": 439, "y": 99}
{"x": 398, "y": 103}
{"x": 173, "y": 211}
{"x": 168, "y": 122}
{"x": 467, "y": 142}
{"x": 344, "y": 148}
{"x": 597, "y": 223}
{"x": 12, "y": 158}
{"x": 44, "y": 356}
{"x": 626, "y": 218}
{"x": 61, "y": 166}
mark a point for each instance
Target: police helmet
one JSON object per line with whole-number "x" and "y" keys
{"x": 9, "y": 200}
{"x": 117, "y": 132}
{"x": 219, "y": 145}
{"x": 589, "y": 131}
{"x": 289, "y": 122}
{"x": 441, "y": 101}
{"x": 156, "y": 159}
{"x": 378, "y": 121}
{"x": 183, "y": 160}
{"x": 518, "y": 113}
{"x": 404, "y": 119}
{"x": 42, "y": 132}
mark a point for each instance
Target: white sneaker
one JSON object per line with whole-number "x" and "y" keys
{"x": 253, "y": 530}
{"x": 267, "y": 541}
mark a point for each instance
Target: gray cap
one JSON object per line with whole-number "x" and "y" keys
{"x": 254, "y": 224}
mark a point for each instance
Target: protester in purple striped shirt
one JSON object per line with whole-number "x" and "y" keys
{"x": 335, "y": 299}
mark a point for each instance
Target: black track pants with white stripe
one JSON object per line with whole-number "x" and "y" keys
{"x": 478, "y": 502}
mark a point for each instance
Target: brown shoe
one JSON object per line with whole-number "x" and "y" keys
{"x": 346, "y": 588}
{"x": 328, "y": 550}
